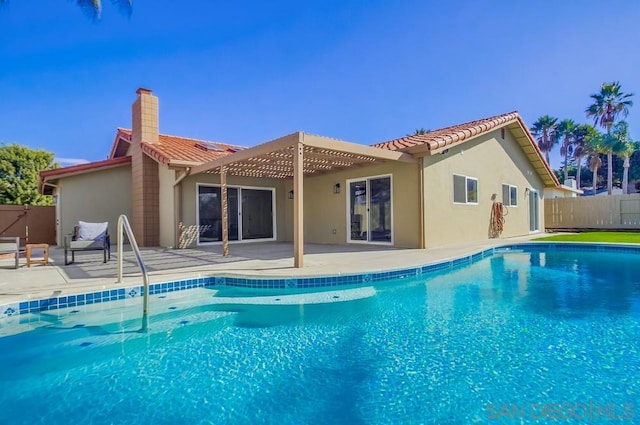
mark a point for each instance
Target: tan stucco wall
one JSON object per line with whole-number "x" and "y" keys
{"x": 95, "y": 197}
{"x": 493, "y": 161}
{"x": 167, "y": 230}
{"x": 324, "y": 210}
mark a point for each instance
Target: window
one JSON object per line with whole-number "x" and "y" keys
{"x": 509, "y": 195}
{"x": 465, "y": 190}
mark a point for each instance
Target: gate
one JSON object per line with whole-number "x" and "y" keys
{"x": 33, "y": 224}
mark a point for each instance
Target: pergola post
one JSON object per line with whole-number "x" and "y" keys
{"x": 298, "y": 210}
{"x": 225, "y": 211}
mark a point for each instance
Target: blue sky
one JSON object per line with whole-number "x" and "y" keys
{"x": 246, "y": 72}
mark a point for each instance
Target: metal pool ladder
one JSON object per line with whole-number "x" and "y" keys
{"x": 123, "y": 224}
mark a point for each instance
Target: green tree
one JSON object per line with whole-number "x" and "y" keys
{"x": 594, "y": 146}
{"x": 19, "y": 168}
{"x": 544, "y": 130}
{"x": 566, "y": 132}
{"x": 625, "y": 148}
{"x": 93, "y": 8}
{"x": 609, "y": 104}
{"x": 582, "y": 133}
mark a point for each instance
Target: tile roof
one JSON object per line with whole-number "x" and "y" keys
{"x": 438, "y": 140}
{"x": 89, "y": 166}
{"x": 174, "y": 149}
{"x": 449, "y": 135}
{"x": 57, "y": 173}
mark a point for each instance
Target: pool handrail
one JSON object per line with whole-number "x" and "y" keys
{"x": 123, "y": 224}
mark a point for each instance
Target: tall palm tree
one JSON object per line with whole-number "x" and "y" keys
{"x": 625, "y": 148}
{"x": 93, "y": 8}
{"x": 544, "y": 130}
{"x": 582, "y": 133}
{"x": 594, "y": 146}
{"x": 566, "y": 132}
{"x": 609, "y": 104}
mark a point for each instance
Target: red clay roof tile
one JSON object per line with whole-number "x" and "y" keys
{"x": 449, "y": 135}
{"x": 182, "y": 149}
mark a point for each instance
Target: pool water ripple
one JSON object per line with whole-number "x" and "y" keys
{"x": 514, "y": 329}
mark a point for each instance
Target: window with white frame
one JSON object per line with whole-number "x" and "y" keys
{"x": 509, "y": 195}
{"x": 465, "y": 189}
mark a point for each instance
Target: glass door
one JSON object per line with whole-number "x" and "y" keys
{"x": 210, "y": 214}
{"x": 534, "y": 211}
{"x": 359, "y": 215}
{"x": 257, "y": 214}
{"x": 370, "y": 210}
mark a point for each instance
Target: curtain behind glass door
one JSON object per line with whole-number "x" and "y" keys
{"x": 380, "y": 209}
{"x": 257, "y": 216}
{"x": 210, "y": 213}
{"x": 358, "y": 216}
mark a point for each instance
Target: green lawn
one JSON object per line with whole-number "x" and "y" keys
{"x": 620, "y": 237}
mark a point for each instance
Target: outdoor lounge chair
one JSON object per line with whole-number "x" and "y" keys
{"x": 88, "y": 237}
{"x": 11, "y": 245}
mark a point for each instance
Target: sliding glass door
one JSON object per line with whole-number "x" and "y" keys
{"x": 370, "y": 210}
{"x": 534, "y": 211}
{"x": 251, "y": 213}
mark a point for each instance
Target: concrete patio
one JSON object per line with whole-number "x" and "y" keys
{"x": 262, "y": 260}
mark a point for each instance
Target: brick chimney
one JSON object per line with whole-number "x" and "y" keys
{"x": 145, "y": 219}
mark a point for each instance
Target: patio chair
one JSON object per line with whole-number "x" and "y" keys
{"x": 11, "y": 245}
{"x": 88, "y": 237}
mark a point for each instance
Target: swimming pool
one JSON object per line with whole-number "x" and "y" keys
{"x": 529, "y": 333}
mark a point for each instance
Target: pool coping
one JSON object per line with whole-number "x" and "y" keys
{"x": 227, "y": 280}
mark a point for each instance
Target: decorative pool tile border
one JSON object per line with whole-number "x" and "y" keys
{"x": 96, "y": 297}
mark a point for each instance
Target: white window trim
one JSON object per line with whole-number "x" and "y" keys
{"x": 465, "y": 192}
{"x": 273, "y": 215}
{"x": 348, "y": 212}
{"x": 511, "y": 204}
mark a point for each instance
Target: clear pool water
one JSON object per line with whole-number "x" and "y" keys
{"x": 516, "y": 337}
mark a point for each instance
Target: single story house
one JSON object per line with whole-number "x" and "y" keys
{"x": 417, "y": 191}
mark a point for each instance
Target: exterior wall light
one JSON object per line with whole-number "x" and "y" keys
{"x": 336, "y": 188}
{"x": 291, "y": 194}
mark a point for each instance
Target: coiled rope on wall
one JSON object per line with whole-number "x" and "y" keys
{"x": 497, "y": 218}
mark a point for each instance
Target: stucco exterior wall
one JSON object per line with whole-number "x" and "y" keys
{"x": 95, "y": 197}
{"x": 494, "y": 161}
{"x": 325, "y": 213}
{"x": 167, "y": 208}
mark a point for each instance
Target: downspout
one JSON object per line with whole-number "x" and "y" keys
{"x": 423, "y": 242}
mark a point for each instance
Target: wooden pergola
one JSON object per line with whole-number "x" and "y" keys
{"x": 292, "y": 157}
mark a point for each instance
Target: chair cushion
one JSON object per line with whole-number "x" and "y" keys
{"x": 8, "y": 247}
{"x": 91, "y": 231}
{"x": 80, "y": 245}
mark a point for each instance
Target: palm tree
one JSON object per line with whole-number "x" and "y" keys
{"x": 609, "y": 104}
{"x": 566, "y": 131}
{"x": 93, "y": 8}
{"x": 625, "y": 147}
{"x": 582, "y": 133}
{"x": 420, "y": 131}
{"x": 594, "y": 146}
{"x": 544, "y": 130}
